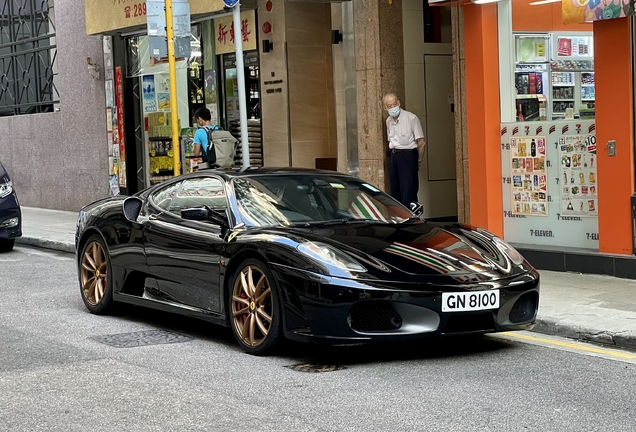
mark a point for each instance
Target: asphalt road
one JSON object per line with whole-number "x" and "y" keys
{"x": 55, "y": 377}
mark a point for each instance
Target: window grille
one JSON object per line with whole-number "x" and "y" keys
{"x": 28, "y": 57}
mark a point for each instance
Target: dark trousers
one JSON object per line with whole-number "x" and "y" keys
{"x": 403, "y": 176}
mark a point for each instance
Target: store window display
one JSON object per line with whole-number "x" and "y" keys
{"x": 548, "y": 142}
{"x": 554, "y": 76}
{"x": 154, "y": 130}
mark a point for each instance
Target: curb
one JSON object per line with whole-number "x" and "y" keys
{"x": 618, "y": 339}
{"x": 46, "y": 244}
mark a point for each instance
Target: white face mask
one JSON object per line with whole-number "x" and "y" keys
{"x": 394, "y": 112}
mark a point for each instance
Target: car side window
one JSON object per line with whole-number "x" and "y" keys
{"x": 163, "y": 197}
{"x": 200, "y": 192}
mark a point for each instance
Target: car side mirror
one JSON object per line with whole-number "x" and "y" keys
{"x": 205, "y": 214}
{"x": 417, "y": 208}
{"x": 132, "y": 207}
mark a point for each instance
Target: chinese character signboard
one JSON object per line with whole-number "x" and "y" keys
{"x": 579, "y": 11}
{"x": 224, "y": 33}
{"x": 579, "y": 190}
{"x": 105, "y": 16}
{"x": 529, "y": 176}
{"x": 120, "y": 154}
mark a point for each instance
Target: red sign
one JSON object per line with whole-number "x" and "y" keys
{"x": 119, "y": 98}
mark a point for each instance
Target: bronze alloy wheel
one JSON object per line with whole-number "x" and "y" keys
{"x": 252, "y": 306}
{"x": 94, "y": 273}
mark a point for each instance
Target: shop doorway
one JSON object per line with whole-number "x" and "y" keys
{"x": 229, "y": 115}
{"x": 430, "y": 94}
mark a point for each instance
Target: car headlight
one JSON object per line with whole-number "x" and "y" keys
{"x": 327, "y": 254}
{"x": 6, "y": 189}
{"x": 512, "y": 253}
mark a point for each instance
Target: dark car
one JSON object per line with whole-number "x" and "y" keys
{"x": 300, "y": 254}
{"x": 10, "y": 215}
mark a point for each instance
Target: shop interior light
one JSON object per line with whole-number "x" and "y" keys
{"x": 542, "y": 2}
{"x": 485, "y": 1}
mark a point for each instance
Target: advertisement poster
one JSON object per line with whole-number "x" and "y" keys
{"x": 531, "y": 49}
{"x": 164, "y": 101}
{"x": 579, "y": 190}
{"x": 119, "y": 98}
{"x": 560, "y": 227}
{"x": 579, "y": 11}
{"x": 210, "y": 87}
{"x": 150, "y": 98}
{"x": 529, "y": 176}
{"x": 108, "y": 86}
{"x": 163, "y": 84}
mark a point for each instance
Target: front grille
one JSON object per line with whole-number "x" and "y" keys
{"x": 469, "y": 323}
{"x": 374, "y": 317}
{"x": 524, "y": 308}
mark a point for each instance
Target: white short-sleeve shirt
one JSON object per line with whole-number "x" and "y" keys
{"x": 404, "y": 131}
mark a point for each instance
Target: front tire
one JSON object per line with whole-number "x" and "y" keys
{"x": 6, "y": 245}
{"x": 95, "y": 276}
{"x": 254, "y": 308}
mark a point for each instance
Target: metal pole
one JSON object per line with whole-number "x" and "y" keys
{"x": 240, "y": 75}
{"x": 172, "y": 65}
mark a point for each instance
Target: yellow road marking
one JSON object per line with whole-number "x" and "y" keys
{"x": 571, "y": 345}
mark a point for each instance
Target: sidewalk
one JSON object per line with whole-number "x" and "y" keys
{"x": 51, "y": 229}
{"x": 592, "y": 308}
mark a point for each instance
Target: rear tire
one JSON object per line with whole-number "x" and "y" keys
{"x": 6, "y": 245}
{"x": 254, "y": 308}
{"x": 95, "y": 276}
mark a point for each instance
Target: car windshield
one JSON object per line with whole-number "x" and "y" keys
{"x": 275, "y": 200}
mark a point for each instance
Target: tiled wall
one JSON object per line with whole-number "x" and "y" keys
{"x": 273, "y": 66}
{"x": 299, "y": 120}
{"x": 339, "y": 90}
{"x": 60, "y": 160}
{"x": 311, "y": 88}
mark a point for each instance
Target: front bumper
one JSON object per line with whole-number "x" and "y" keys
{"x": 9, "y": 211}
{"x": 332, "y": 310}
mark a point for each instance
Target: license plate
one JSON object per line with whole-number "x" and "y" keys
{"x": 470, "y": 301}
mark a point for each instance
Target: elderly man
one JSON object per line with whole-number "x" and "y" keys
{"x": 406, "y": 150}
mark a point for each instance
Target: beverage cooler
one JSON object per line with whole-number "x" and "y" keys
{"x": 532, "y": 75}
{"x": 554, "y": 76}
{"x": 573, "y": 75}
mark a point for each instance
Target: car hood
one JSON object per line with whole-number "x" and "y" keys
{"x": 418, "y": 249}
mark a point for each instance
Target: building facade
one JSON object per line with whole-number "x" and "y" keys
{"x": 51, "y": 121}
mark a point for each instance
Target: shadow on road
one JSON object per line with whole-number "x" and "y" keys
{"x": 433, "y": 348}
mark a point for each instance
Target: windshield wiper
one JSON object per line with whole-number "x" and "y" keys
{"x": 334, "y": 222}
{"x": 349, "y": 220}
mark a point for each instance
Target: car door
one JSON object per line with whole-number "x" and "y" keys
{"x": 184, "y": 255}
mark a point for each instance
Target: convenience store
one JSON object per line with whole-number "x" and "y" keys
{"x": 550, "y": 130}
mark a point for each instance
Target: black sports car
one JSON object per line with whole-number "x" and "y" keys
{"x": 300, "y": 254}
{"x": 10, "y": 214}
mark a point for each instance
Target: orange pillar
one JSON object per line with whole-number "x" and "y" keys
{"x": 483, "y": 116}
{"x": 614, "y": 119}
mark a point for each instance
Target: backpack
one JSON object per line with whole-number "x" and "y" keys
{"x": 221, "y": 148}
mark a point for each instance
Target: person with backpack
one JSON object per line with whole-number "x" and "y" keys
{"x": 216, "y": 146}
